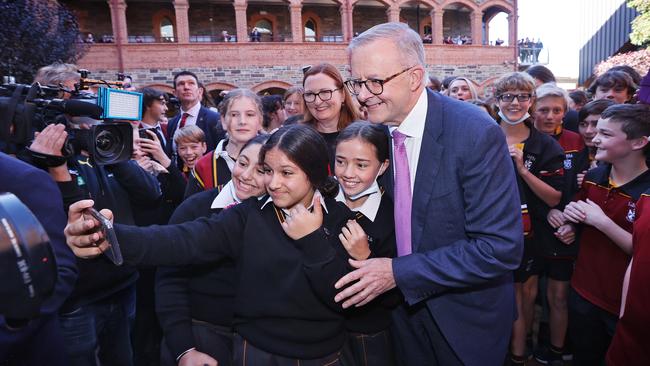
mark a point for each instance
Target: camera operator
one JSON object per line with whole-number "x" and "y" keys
{"x": 97, "y": 318}
{"x": 38, "y": 341}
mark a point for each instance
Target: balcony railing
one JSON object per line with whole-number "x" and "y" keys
{"x": 150, "y": 39}
{"x": 533, "y": 55}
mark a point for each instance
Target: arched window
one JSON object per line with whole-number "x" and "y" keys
{"x": 166, "y": 30}
{"x": 310, "y": 31}
{"x": 264, "y": 26}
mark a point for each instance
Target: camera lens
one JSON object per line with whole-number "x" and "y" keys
{"x": 109, "y": 142}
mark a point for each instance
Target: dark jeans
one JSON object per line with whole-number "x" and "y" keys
{"x": 213, "y": 340}
{"x": 245, "y": 354}
{"x": 100, "y": 332}
{"x": 368, "y": 350}
{"x": 591, "y": 329}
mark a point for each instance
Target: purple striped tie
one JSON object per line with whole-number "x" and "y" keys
{"x": 402, "y": 195}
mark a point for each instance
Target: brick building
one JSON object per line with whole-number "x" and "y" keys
{"x": 153, "y": 39}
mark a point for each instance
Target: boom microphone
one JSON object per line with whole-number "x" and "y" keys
{"x": 74, "y": 107}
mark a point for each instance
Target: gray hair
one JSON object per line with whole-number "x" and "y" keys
{"x": 408, "y": 42}
{"x": 56, "y": 74}
{"x": 552, "y": 90}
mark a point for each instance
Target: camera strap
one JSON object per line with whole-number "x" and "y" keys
{"x": 45, "y": 160}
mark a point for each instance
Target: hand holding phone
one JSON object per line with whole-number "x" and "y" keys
{"x": 113, "y": 253}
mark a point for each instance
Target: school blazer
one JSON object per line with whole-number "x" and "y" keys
{"x": 466, "y": 231}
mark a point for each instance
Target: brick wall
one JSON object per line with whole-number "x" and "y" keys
{"x": 456, "y": 23}
{"x": 251, "y": 77}
{"x": 93, "y": 17}
{"x": 365, "y": 17}
{"x": 330, "y": 19}
{"x": 222, "y": 15}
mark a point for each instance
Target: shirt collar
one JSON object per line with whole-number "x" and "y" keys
{"x": 369, "y": 208}
{"x": 286, "y": 211}
{"x": 221, "y": 152}
{"x": 413, "y": 124}
{"x": 194, "y": 111}
{"x": 146, "y": 125}
{"x": 226, "y": 197}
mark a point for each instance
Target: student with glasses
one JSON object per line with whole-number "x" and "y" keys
{"x": 538, "y": 162}
{"x": 329, "y": 105}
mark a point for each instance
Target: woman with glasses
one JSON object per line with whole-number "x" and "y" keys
{"x": 329, "y": 105}
{"x": 538, "y": 162}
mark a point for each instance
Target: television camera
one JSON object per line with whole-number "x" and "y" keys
{"x": 102, "y": 105}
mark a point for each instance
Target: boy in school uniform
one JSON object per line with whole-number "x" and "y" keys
{"x": 606, "y": 209}
{"x": 629, "y": 346}
{"x": 556, "y": 258}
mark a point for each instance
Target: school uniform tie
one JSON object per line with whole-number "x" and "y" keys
{"x": 183, "y": 120}
{"x": 161, "y": 137}
{"x": 402, "y": 195}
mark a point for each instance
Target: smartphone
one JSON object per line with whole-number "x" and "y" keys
{"x": 113, "y": 253}
{"x": 143, "y": 133}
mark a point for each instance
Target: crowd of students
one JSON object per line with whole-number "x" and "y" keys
{"x": 269, "y": 198}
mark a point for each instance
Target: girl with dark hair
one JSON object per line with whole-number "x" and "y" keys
{"x": 195, "y": 303}
{"x": 329, "y": 105}
{"x": 538, "y": 161}
{"x": 241, "y": 117}
{"x": 285, "y": 250}
{"x": 361, "y": 157}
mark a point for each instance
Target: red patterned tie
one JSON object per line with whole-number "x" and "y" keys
{"x": 402, "y": 195}
{"x": 183, "y": 120}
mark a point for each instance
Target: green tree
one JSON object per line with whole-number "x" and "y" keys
{"x": 641, "y": 24}
{"x": 36, "y": 33}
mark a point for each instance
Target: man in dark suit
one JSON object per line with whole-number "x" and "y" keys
{"x": 189, "y": 92}
{"x": 457, "y": 214}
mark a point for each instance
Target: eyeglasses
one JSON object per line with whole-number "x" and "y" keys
{"x": 508, "y": 98}
{"x": 374, "y": 86}
{"x": 324, "y": 95}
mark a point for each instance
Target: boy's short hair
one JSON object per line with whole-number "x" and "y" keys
{"x": 514, "y": 81}
{"x": 612, "y": 79}
{"x": 191, "y": 133}
{"x": 579, "y": 97}
{"x": 595, "y": 107}
{"x": 552, "y": 90}
{"x": 635, "y": 119}
{"x": 149, "y": 95}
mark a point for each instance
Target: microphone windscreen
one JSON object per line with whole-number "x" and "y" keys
{"x": 81, "y": 108}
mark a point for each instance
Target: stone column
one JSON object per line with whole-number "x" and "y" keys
{"x": 436, "y": 26}
{"x": 477, "y": 27}
{"x": 118, "y": 20}
{"x": 182, "y": 21}
{"x": 346, "y": 21}
{"x": 393, "y": 13}
{"x": 295, "y": 9}
{"x": 512, "y": 30}
{"x": 241, "y": 20}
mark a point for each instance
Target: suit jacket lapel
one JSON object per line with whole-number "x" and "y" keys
{"x": 200, "y": 120}
{"x": 428, "y": 166}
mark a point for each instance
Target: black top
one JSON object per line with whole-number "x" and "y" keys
{"x": 544, "y": 158}
{"x": 203, "y": 292}
{"x": 114, "y": 187}
{"x": 285, "y": 294}
{"x": 375, "y": 316}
